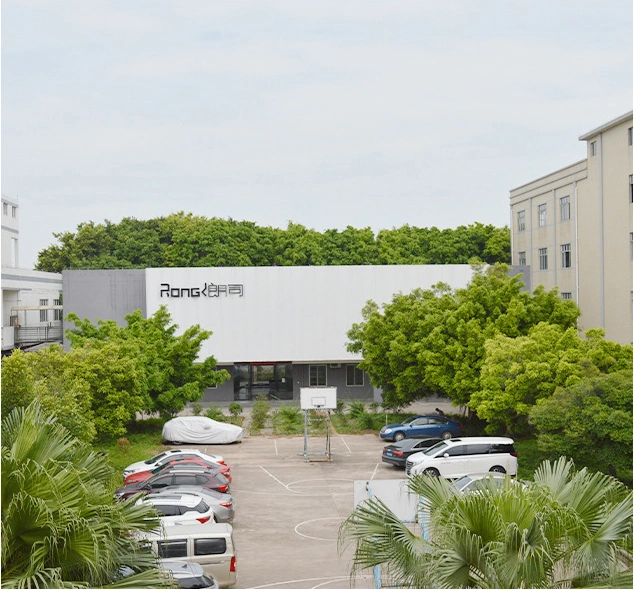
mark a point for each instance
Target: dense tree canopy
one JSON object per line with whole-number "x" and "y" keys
{"x": 518, "y": 372}
{"x": 433, "y": 341}
{"x": 590, "y": 420}
{"x": 170, "y": 372}
{"x": 185, "y": 240}
{"x": 111, "y": 373}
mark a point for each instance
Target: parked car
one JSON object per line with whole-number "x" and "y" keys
{"x": 188, "y": 574}
{"x": 222, "y": 503}
{"x": 398, "y": 452}
{"x": 201, "y": 431}
{"x": 179, "y": 508}
{"x": 475, "y": 481}
{"x": 180, "y": 463}
{"x": 210, "y": 545}
{"x": 165, "y": 456}
{"x": 428, "y": 426}
{"x": 464, "y": 456}
{"x": 204, "y": 478}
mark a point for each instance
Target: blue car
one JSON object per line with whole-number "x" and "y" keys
{"x": 430, "y": 426}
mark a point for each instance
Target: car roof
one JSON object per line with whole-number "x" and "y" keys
{"x": 500, "y": 440}
{"x": 188, "y": 500}
{"x": 408, "y": 443}
{"x": 192, "y": 490}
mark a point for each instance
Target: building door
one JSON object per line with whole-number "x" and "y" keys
{"x": 270, "y": 380}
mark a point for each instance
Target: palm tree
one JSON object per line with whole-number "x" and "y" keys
{"x": 61, "y": 527}
{"x": 564, "y": 530}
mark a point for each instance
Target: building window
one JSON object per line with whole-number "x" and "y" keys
{"x": 543, "y": 259}
{"x": 14, "y": 211}
{"x": 631, "y": 246}
{"x": 566, "y": 256}
{"x": 629, "y": 136}
{"x": 593, "y": 148}
{"x": 5, "y": 209}
{"x": 631, "y": 190}
{"x": 565, "y": 207}
{"x": 43, "y": 312}
{"x": 354, "y": 376}
{"x": 521, "y": 258}
{"x": 541, "y": 214}
{"x": 521, "y": 220}
{"x": 566, "y": 295}
{"x": 317, "y": 375}
{"x": 57, "y": 313}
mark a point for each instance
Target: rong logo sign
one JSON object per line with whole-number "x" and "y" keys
{"x": 208, "y": 290}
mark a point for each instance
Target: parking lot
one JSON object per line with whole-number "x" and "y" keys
{"x": 288, "y": 510}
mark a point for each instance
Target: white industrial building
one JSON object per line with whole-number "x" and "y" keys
{"x": 275, "y": 329}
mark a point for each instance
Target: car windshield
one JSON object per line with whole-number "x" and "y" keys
{"x": 155, "y": 459}
{"x": 408, "y": 420}
{"x": 437, "y": 447}
{"x": 462, "y": 482}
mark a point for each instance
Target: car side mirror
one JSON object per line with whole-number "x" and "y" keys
{"x": 446, "y": 455}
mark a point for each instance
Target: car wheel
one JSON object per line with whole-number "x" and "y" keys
{"x": 399, "y": 436}
{"x": 446, "y": 435}
{"x": 431, "y": 472}
{"x": 497, "y": 469}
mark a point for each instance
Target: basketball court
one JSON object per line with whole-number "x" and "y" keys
{"x": 289, "y": 507}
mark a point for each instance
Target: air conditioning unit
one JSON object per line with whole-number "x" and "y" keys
{"x": 335, "y": 365}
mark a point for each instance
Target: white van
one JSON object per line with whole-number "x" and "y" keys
{"x": 464, "y": 456}
{"x": 210, "y": 545}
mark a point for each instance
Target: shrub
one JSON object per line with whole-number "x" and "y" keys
{"x": 197, "y": 409}
{"x": 374, "y": 407}
{"x": 259, "y": 414}
{"x": 235, "y": 409}
{"x": 123, "y": 444}
{"x": 341, "y": 405}
{"x": 367, "y": 421}
{"x": 288, "y": 420}
{"x": 357, "y": 407}
{"x": 216, "y": 414}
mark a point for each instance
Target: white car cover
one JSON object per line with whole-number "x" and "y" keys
{"x": 200, "y": 430}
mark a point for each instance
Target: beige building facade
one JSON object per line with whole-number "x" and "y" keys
{"x": 573, "y": 229}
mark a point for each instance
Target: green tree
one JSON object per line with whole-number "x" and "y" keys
{"x": 432, "y": 341}
{"x": 61, "y": 527}
{"x": 567, "y": 529}
{"x": 186, "y": 240}
{"x": 518, "y": 372}
{"x": 590, "y": 421}
{"x": 53, "y": 378}
{"x": 169, "y": 372}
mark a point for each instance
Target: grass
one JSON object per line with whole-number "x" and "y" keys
{"x": 144, "y": 442}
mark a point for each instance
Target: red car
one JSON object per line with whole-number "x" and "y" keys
{"x": 194, "y": 476}
{"x": 181, "y": 461}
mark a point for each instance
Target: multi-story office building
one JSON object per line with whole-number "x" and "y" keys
{"x": 31, "y": 299}
{"x": 573, "y": 229}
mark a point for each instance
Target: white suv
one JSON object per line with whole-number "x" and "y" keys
{"x": 180, "y": 508}
{"x": 465, "y": 455}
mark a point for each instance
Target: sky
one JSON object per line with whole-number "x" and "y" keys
{"x": 325, "y": 113}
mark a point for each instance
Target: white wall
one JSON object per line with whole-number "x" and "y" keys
{"x": 287, "y": 313}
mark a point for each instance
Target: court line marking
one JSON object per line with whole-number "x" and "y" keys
{"x": 327, "y": 580}
{"x": 347, "y": 447}
{"x": 315, "y": 520}
{"x": 374, "y": 472}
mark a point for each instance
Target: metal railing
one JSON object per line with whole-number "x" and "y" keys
{"x": 29, "y": 334}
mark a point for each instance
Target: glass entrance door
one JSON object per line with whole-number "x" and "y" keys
{"x": 271, "y": 380}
